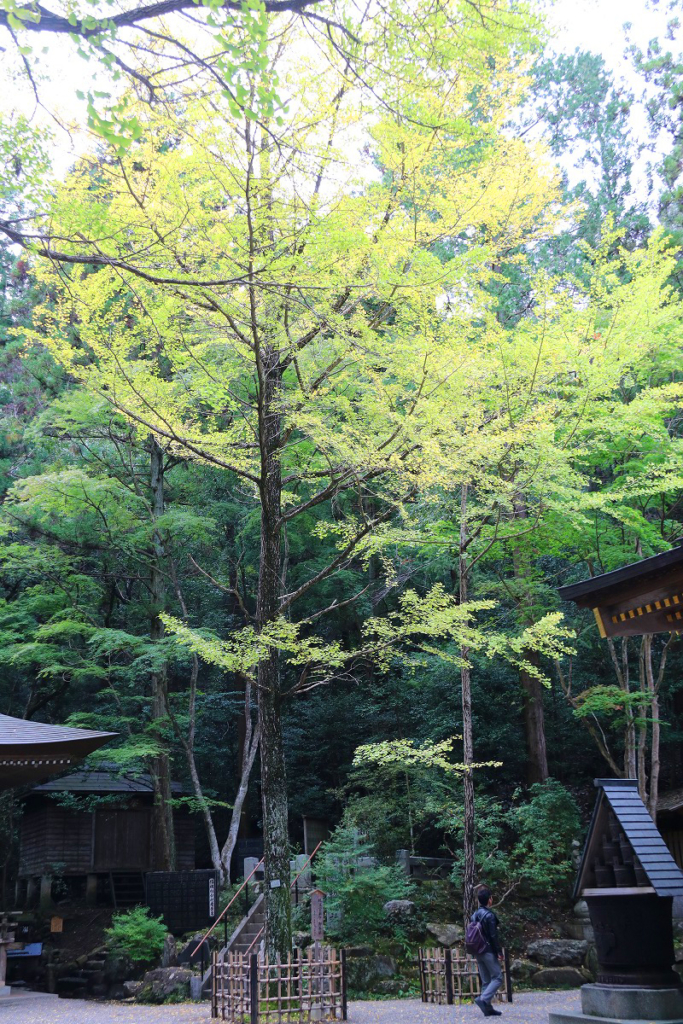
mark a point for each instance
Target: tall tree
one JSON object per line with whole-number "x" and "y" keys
{"x": 296, "y": 307}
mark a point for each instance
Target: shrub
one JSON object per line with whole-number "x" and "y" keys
{"x": 357, "y": 888}
{"x": 136, "y": 935}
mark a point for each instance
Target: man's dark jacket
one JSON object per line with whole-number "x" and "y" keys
{"x": 489, "y": 926}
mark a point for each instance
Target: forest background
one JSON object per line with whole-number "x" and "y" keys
{"x": 318, "y": 378}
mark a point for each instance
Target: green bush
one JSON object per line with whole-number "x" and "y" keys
{"x": 526, "y": 846}
{"x": 136, "y": 935}
{"x": 355, "y": 894}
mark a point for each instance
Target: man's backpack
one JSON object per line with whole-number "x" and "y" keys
{"x": 476, "y": 942}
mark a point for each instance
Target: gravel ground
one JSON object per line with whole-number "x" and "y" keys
{"x": 528, "y": 1008}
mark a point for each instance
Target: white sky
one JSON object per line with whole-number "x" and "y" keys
{"x": 595, "y": 25}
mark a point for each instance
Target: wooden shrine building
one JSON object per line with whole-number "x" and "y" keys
{"x": 644, "y": 597}
{"x": 93, "y": 830}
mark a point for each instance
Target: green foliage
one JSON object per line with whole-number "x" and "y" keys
{"x": 526, "y": 846}
{"x": 356, "y": 893}
{"x": 137, "y": 935}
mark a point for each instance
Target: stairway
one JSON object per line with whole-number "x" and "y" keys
{"x": 245, "y": 938}
{"x": 127, "y": 889}
{"x": 87, "y": 982}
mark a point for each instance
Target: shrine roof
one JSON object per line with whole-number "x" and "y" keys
{"x": 32, "y": 751}
{"x": 104, "y": 779}
{"x": 643, "y": 597}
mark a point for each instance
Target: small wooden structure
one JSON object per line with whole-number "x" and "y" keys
{"x": 32, "y": 751}
{"x": 110, "y": 847}
{"x": 644, "y": 597}
{"x": 308, "y": 986}
{"x": 451, "y": 976}
{"x": 629, "y": 878}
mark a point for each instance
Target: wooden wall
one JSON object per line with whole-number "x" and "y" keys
{"x": 56, "y": 840}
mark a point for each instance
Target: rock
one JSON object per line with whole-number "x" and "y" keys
{"x": 359, "y": 951}
{"x": 131, "y": 988}
{"x": 302, "y": 939}
{"x": 400, "y": 910}
{"x": 558, "y": 977}
{"x": 446, "y": 934}
{"x": 162, "y": 982}
{"x": 385, "y": 965}
{"x": 116, "y": 992}
{"x": 169, "y": 957}
{"x": 522, "y": 970}
{"x": 388, "y": 988}
{"x": 364, "y": 973}
{"x": 558, "y": 952}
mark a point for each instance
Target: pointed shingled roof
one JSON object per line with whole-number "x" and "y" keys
{"x": 621, "y": 798}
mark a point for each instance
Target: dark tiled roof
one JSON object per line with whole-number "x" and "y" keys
{"x": 32, "y": 751}
{"x": 108, "y": 780}
{"x": 648, "y": 570}
{"x": 17, "y": 734}
{"x": 670, "y": 801}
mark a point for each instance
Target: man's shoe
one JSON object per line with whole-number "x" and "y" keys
{"x": 493, "y": 1012}
{"x": 482, "y": 1005}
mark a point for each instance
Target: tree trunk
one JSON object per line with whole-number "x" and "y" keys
{"x": 249, "y": 748}
{"x": 467, "y": 730}
{"x": 642, "y": 725}
{"x": 160, "y": 766}
{"x": 653, "y": 691}
{"x": 630, "y": 770}
{"x": 534, "y": 717}
{"x": 273, "y": 773}
{"x": 534, "y": 725}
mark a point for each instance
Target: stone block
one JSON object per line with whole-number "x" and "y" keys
{"x": 583, "y": 1018}
{"x": 399, "y": 910}
{"x": 446, "y": 934}
{"x": 558, "y": 977}
{"x": 558, "y": 952}
{"x": 624, "y": 1003}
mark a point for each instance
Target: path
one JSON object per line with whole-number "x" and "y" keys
{"x": 528, "y": 1008}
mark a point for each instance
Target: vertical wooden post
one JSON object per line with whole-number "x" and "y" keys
{"x": 254, "y": 988}
{"x": 508, "y": 977}
{"x": 214, "y": 985}
{"x": 343, "y": 986}
{"x": 448, "y": 964}
{"x": 421, "y": 966}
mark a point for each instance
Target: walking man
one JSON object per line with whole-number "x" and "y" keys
{"x": 487, "y": 952}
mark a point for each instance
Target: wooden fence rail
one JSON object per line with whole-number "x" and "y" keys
{"x": 450, "y": 976}
{"x": 307, "y": 986}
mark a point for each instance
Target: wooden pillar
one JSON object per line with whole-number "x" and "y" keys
{"x": 31, "y": 890}
{"x": 91, "y": 890}
{"x": 45, "y": 892}
{"x": 4, "y": 987}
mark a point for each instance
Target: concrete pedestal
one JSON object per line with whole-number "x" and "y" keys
{"x": 618, "y": 1004}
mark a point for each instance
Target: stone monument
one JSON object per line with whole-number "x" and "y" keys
{"x": 628, "y": 878}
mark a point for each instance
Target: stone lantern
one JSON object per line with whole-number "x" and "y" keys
{"x": 628, "y": 878}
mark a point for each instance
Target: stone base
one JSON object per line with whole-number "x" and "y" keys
{"x": 584, "y": 1018}
{"x": 5, "y": 990}
{"x": 621, "y": 1002}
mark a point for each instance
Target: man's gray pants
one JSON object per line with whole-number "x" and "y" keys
{"x": 491, "y": 975}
